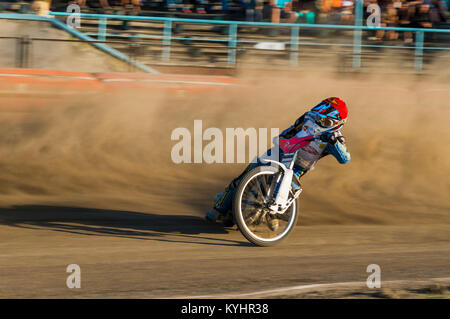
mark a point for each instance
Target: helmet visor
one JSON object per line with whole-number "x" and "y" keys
{"x": 327, "y": 122}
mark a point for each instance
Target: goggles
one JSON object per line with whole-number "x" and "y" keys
{"x": 328, "y": 122}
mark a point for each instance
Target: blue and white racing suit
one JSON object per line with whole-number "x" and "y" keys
{"x": 323, "y": 142}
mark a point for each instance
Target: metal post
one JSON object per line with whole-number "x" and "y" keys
{"x": 419, "y": 51}
{"x": 102, "y": 29}
{"x": 357, "y": 35}
{"x": 19, "y": 53}
{"x": 166, "y": 40}
{"x": 294, "y": 45}
{"x": 134, "y": 51}
{"x": 232, "y": 34}
{"x": 23, "y": 52}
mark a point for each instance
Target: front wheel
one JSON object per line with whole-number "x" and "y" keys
{"x": 256, "y": 222}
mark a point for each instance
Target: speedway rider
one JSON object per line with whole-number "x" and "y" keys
{"x": 314, "y": 135}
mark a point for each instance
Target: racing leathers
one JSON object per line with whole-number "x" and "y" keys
{"x": 305, "y": 136}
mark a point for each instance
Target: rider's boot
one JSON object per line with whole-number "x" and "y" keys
{"x": 212, "y": 215}
{"x": 216, "y": 214}
{"x": 227, "y": 219}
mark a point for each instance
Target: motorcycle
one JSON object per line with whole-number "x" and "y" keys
{"x": 265, "y": 205}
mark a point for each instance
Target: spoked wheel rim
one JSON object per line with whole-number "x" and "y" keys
{"x": 257, "y": 219}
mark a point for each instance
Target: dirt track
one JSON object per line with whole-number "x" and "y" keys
{"x": 142, "y": 233}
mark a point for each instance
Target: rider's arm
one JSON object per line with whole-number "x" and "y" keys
{"x": 292, "y": 130}
{"x": 336, "y": 147}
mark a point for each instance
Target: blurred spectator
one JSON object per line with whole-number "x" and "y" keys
{"x": 437, "y": 12}
{"x": 347, "y": 9}
{"x": 252, "y": 10}
{"x": 133, "y": 5}
{"x": 179, "y": 5}
{"x": 415, "y": 15}
{"x": 41, "y": 7}
{"x": 305, "y": 10}
{"x": 336, "y": 11}
{"x": 389, "y": 18}
{"x": 282, "y": 9}
{"x": 199, "y": 6}
{"x": 187, "y": 5}
{"x": 172, "y": 5}
{"x": 394, "y": 13}
{"x": 81, "y": 3}
{"x": 422, "y": 18}
{"x": 104, "y": 4}
{"x": 405, "y": 11}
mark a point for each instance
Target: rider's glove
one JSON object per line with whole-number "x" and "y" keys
{"x": 329, "y": 138}
{"x": 341, "y": 139}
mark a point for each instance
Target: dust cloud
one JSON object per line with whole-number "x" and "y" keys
{"x": 114, "y": 151}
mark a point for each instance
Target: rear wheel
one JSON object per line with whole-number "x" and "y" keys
{"x": 254, "y": 219}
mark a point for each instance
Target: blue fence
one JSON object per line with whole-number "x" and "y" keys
{"x": 233, "y": 38}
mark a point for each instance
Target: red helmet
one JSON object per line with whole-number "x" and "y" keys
{"x": 332, "y": 107}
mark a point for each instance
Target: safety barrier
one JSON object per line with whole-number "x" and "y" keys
{"x": 233, "y": 40}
